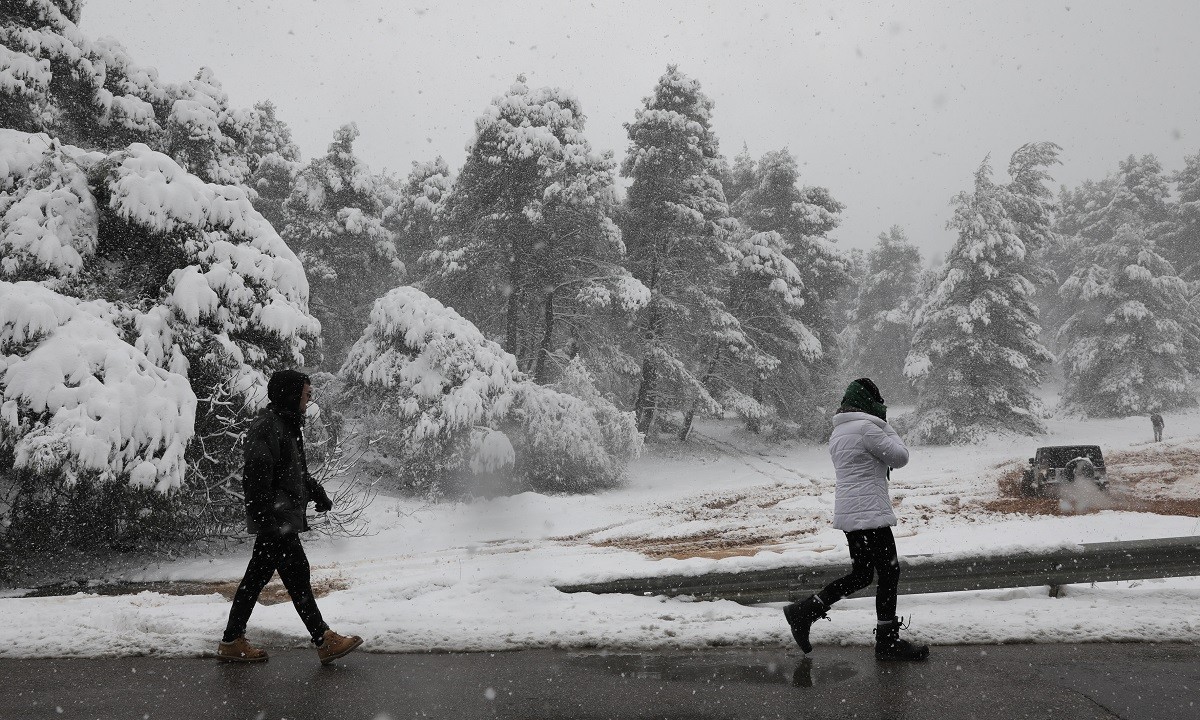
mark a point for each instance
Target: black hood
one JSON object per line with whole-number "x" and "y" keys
{"x": 284, "y": 390}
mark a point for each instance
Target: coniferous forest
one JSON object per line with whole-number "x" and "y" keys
{"x": 530, "y": 319}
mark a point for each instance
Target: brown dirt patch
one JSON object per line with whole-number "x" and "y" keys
{"x": 275, "y": 593}
{"x": 710, "y": 546}
{"x": 722, "y": 503}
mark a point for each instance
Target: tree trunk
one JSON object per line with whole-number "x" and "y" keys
{"x": 754, "y": 424}
{"x": 512, "y": 309}
{"x": 691, "y": 413}
{"x": 542, "y": 363}
{"x": 687, "y": 422}
{"x": 645, "y": 407}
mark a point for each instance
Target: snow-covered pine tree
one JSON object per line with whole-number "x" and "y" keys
{"x": 415, "y": 213}
{"x": 89, "y": 93}
{"x": 976, "y": 358}
{"x": 85, "y": 92}
{"x": 681, "y": 246}
{"x": 205, "y": 135}
{"x": 532, "y": 253}
{"x": 1132, "y": 344}
{"x": 159, "y": 291}
{"x": 274, "y": 162}
{"x": 1089, "y": 215}
{"x": 882, "y": 328}
{"x": 1030, "y": 204}
{"x": 334, "y": 221}
{"x": 1181, "y": 243}
{"x": 740, "y": 177}
{"x": 783, "y": 296}
{"x": 133, "y": 288}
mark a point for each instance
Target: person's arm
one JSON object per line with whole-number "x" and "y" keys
{"x": 316, "y": 491}
{"x": 258, "y": 476}
{"x": 885, "y": 445}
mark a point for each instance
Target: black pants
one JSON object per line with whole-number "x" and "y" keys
{"x": 285, "y": 554}
{"x": 871, "y": 552}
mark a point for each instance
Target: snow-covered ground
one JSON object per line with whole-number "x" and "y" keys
{"x": 481, "y": 575}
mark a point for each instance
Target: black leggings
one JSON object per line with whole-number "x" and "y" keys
{"x": 871, "y": 551}
{"x": 285, "y": 554}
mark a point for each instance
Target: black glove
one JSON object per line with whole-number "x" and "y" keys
{"x": 321, "y": 499}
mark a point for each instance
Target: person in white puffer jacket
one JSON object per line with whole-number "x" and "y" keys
{"x": 864, "y": 449}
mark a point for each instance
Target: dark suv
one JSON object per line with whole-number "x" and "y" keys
{"x": 1053, "y": 466}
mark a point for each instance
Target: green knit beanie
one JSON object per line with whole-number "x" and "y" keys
{"x": 863, "y": 394}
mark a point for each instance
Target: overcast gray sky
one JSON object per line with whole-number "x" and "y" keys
{"x": 890, "y": 105}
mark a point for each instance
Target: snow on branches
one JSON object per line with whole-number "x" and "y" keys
{"x": 48, "y": 218}
{"x": 76, "y": 398}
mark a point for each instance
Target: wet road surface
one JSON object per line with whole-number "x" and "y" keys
{"x": 1063, "y": 682}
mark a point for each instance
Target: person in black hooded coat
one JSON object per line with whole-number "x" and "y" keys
{"x": 277, "y": 490}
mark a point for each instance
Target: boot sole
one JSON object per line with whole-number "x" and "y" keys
{"x": 343, "y": 653}
{"x": 789, "y": 614}
{"x": 242, "y": 660}
{"x": 923, "y": 656}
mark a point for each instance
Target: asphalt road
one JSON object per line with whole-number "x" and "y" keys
{"x": 1063, "y": 682}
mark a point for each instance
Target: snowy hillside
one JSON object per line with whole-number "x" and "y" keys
{"x": 480, "y": 575}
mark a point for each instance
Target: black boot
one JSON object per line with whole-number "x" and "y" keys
{"x": 889, "y": 646}
{"x": 800, "y": 617}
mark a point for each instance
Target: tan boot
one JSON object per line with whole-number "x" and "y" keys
{"x": 334, "y": 646}
{"x": 240, "y": 651}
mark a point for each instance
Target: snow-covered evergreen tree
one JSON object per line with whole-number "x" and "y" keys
{"x": 85, "y": 92}
{"x": 274, "y": 162}
{"x": 784, "y": 293}
{"x": 1182, "y": 242}
{"x": 740, "y": 177}
{"x": 91, "y": 94}
{"x": 457, "y": 412}
{"x": 134, "y": 291}
{"x": 976, "y": 357}
{"x": 681, "y": 246}
{"x": 531, "y": 253}
{"x": 132, "y": 288}
{"x": 415, "y": 214}
{"x": 205, "y": 135}
{"x": 334, "y": 221}
{"x": 1132, "y": 344}
{"x": 887, "y": 300}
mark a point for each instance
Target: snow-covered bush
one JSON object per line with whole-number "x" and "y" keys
{"x": 439, "y": 386}
{"x": 568, "y": 437}
{"x": 451, "y": 408}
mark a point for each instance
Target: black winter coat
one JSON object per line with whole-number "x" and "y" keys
{"x": 276, "y": 482}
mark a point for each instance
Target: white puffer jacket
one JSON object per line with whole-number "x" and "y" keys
{"x": 863, "y": 447}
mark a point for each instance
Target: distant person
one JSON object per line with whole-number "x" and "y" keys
{"x": 278, "y": 489}
{"x": 864, "y": 449}
{"x": 1156, "y": 422}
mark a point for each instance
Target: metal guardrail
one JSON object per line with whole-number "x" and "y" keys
{"x": 1088, "y": 563}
